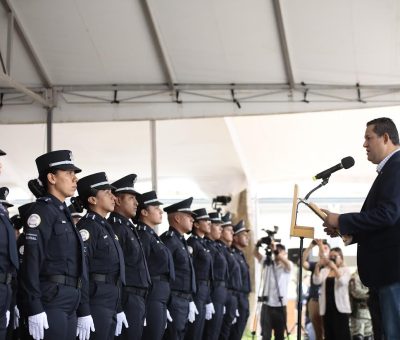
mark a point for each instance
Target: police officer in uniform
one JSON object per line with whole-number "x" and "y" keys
{"x": 202, "y": 263}
{"x": 220, "y": 271}
{"x": 159, "y": 262}
{"x": 181, "y": 305}
{"x": 234, "y": 282}
{"x": 104, "y": 255}
{"x": 53, "y": 266}
{"x": 8, "y": 265}
{"x": 240, "y": 241}
{"x": 136, "y": 272}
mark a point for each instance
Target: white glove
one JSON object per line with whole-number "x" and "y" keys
{"x": 84, "y": 326}
{"x": 192, "y": 311}
{"x": 169, "y": 318}
{"x": 37, "y": 324}
{"x": 236, "y": 316}
{"x": 121, "y": 319}
{"x": 209, "y": 310}
{"x": 224, "y": 310}
{"x": 16, "y": 317}
{"x": 7, "y": 318}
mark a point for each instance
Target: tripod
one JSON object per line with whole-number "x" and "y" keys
{"x": 264, "y": 288}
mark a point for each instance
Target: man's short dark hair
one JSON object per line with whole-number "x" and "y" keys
{"x": 385, "y": 125}
{"x": 280, "y": 246}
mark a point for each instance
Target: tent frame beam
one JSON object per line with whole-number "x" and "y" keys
{"x": 283, "y": 42}
{"x": 39, "y": 67}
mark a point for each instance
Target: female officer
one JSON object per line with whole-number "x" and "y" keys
{"x": 220, "y": 269}
{"x": 53, "y": 266}
{"x": 202, "y": 263}
{"x": 104, "y": 254}
{"x": 160, "y": 264}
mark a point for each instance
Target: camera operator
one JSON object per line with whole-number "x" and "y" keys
{"x": 334, "y": 301}
{"x": 276, "y": 273}
{"x": 313, "y": 296}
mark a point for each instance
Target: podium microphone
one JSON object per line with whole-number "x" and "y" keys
{"x": 345, "y": 163}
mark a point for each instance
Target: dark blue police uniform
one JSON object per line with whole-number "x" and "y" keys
{"x": 136, "y": 274}
{"x": 242, "y": 296}
{"x": 53, "y": 268}
{"x": 243, "y": 293}
{"x": 184, "y": 286}
{"x": 202, "y": 263}
{"x": 234, "y": 284}
{"x": 162, "y": 271}
{"x": 106, "y": 273}
{"x": 8, "y": 266}
{"x": 218, "y": 288}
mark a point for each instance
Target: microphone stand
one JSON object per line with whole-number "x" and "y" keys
{"x": 300, "y": 278}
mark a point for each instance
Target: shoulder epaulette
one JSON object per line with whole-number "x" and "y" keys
{"x": 170, "y": 233}
{"x": 44, "y": 199}
{"x": 141, "y": 227}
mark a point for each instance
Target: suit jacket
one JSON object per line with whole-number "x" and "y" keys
{"x": 342, "y": 298}
{"x": 376, "y": 228}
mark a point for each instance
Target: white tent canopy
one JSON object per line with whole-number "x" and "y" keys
{"x": 82, "y": 63}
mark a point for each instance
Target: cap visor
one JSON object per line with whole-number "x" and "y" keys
{"x": 67, "y": 167}
{"x": 105, "y": 187}
{"x": 2, "y": 153}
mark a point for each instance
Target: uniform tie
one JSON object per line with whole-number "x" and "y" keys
{"x": 193, "y": 277}
{"x": 142, "y": 252}
{"x": 12, "y": 243}
{"x": 119, "y": 250}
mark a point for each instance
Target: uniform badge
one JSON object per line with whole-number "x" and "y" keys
{"x": 84, "y": 234}
{"x": 21, "y": 250}
{"x": 34, "y": 221}
{"x": 190, "y": 250}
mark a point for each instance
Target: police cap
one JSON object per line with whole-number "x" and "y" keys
{"x": 182, "y": 206}
{"x": 125, "y": 185}
{"x": 215, "y": 217}
{"x": 56, "y": 160}
{"x": 3, "y": 197}
{"x": 97, "y": 181}
{"x": 201, "y": 214}
{"x": 240, "y": 227}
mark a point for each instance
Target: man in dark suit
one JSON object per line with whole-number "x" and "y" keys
{"x": 376, "y": 229}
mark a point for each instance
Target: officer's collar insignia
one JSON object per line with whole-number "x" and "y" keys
{"x": 85, "y": 234}
{"x": 34, "y": 221}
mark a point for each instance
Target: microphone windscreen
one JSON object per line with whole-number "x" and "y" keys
{"x": 347, "y": 162}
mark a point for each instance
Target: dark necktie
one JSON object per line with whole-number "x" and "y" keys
{"x": 12, "y": 243}
{"x": 193, "y": 277}
{"x": 142, "y": 252}
{"x": 119, "y": 250}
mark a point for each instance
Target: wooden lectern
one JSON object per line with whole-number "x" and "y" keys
{"x": 296, "y": 230}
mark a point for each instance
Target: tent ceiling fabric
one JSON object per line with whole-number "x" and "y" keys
{"x": 203, "y": 48}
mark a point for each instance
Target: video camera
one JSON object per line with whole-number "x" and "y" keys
{"x": 267, "y": 240}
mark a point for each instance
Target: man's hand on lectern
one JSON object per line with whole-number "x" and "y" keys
{"x": 331, "y": 223}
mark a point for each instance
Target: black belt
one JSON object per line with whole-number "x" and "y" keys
{"x": 106, "y": 278}
{"x": 187, "y": 296}
{"x": 203, "y": 283}
{"x": 219, "y": 283}
{"x": 137, "y": 291}
{"x": 5, "y": 278}
{"x": 160, "y": 278}
{"x": 65, "y": 280}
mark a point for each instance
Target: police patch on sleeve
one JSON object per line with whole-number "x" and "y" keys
{"x": 21, "y": 250}
{"x": 34, "y": 221}
{"x": 85, "y": 234}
